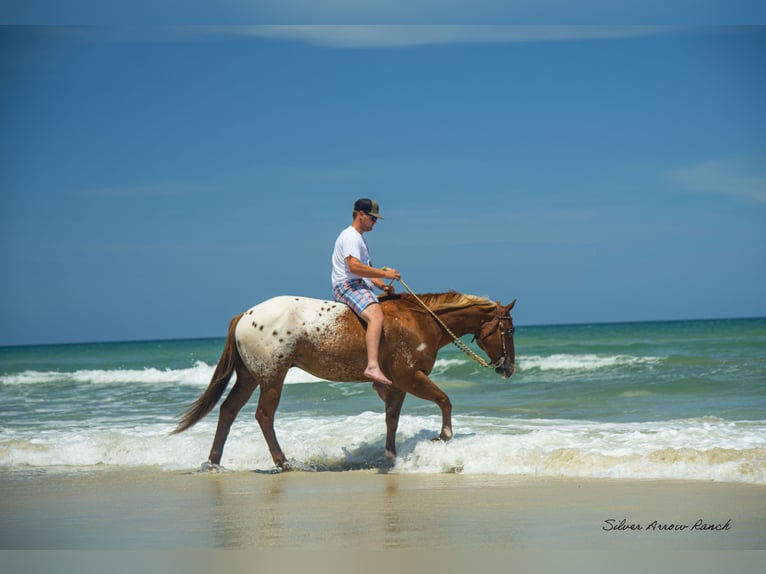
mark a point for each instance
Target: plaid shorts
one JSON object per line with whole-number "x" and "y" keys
{"x": 356, "y": 294}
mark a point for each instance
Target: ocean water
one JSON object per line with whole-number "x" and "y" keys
{"x": 664, "y": 400}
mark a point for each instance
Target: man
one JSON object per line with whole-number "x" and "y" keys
{"x": 353, "y": 278}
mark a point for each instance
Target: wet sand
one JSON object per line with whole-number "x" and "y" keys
{"x": 367, "y": 512}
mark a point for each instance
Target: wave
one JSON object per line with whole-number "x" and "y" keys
{"x": 200, "y": 373}
{"x": 586, "y": 362}
{"x": 693, "y": 449}
{"x": 556, "y": 362}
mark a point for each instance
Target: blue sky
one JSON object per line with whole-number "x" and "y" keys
{"x": 155, "y": 181}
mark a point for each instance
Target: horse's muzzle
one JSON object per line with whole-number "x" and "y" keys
{"x": 506, "y": 370}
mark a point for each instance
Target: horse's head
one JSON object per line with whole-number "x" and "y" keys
{"x": 495, "y": 337}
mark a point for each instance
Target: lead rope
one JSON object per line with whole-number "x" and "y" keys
{"x": 455, "y": 339}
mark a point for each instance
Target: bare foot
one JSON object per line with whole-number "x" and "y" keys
{"x": 381, "y": 389}
{"x": 377, "y": 375}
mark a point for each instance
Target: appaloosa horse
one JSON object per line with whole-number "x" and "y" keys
{"x": 326, "y": 339}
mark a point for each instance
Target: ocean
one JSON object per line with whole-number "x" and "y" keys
{"x": 681, "y": 400}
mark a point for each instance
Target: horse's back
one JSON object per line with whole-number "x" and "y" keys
{"x": 292, "y": 313}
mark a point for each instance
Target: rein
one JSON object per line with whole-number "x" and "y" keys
{"x": 455, "y": 339}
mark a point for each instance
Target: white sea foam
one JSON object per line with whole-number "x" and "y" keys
{"x": 558, "y": 362}
{"x": 698, "y": 449}
{"x": 584, "y": 362}
{"x": 199, "y": 375}
{"x": 297, "y": 376}
{"x": 690, "y": 450}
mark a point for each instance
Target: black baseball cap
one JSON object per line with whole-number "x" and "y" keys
{"x": 368, "y": 206}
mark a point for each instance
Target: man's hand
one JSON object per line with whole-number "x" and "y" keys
{"x": 391, "y": 273}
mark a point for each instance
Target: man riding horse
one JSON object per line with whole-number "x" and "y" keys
{"x": 352, "y": 279}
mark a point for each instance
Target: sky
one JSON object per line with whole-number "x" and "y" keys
{"x": 155, "y": 181}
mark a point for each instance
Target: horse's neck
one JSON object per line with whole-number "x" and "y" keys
{"x": 464, "y": 321}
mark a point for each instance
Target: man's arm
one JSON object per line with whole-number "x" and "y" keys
{"x": 358, "y": 268}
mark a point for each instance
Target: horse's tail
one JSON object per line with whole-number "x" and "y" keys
{"x": 226, "y": 365}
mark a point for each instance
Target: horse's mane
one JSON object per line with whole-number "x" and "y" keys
{"x": 438, "y": 302}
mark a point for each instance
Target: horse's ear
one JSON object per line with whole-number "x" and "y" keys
{"x": 509, "y": 307}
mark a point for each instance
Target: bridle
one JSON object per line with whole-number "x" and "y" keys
{"x": 506, "y": 334}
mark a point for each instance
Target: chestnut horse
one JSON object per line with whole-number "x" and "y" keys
{"x": 326, "y": 339}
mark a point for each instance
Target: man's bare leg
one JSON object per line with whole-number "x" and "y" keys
{"x": 373, "y": 315}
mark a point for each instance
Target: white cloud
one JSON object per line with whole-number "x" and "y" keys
{"x": 730, "y": 178}
{"x": 393, "y": 36}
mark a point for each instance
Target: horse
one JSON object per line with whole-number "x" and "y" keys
{"x": 327, "y": 340}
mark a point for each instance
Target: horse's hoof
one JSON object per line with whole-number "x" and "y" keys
{"x": 208, "y": 466}
{"x": 390, "y": 455}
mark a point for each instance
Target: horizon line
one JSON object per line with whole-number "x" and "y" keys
{"x": 222, "y": 336}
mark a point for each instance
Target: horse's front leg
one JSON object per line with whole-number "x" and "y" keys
{"x": 394, "y": 401}
{"x": 423, "y": 387}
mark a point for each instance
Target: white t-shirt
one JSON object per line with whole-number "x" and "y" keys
{"x": 349, "y": 243}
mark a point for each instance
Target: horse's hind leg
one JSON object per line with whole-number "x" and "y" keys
{"x": 238, "y": 397}
{"x": 268, "y": 402}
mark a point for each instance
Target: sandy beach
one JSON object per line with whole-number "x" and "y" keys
{"x": 372, "y": 512}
